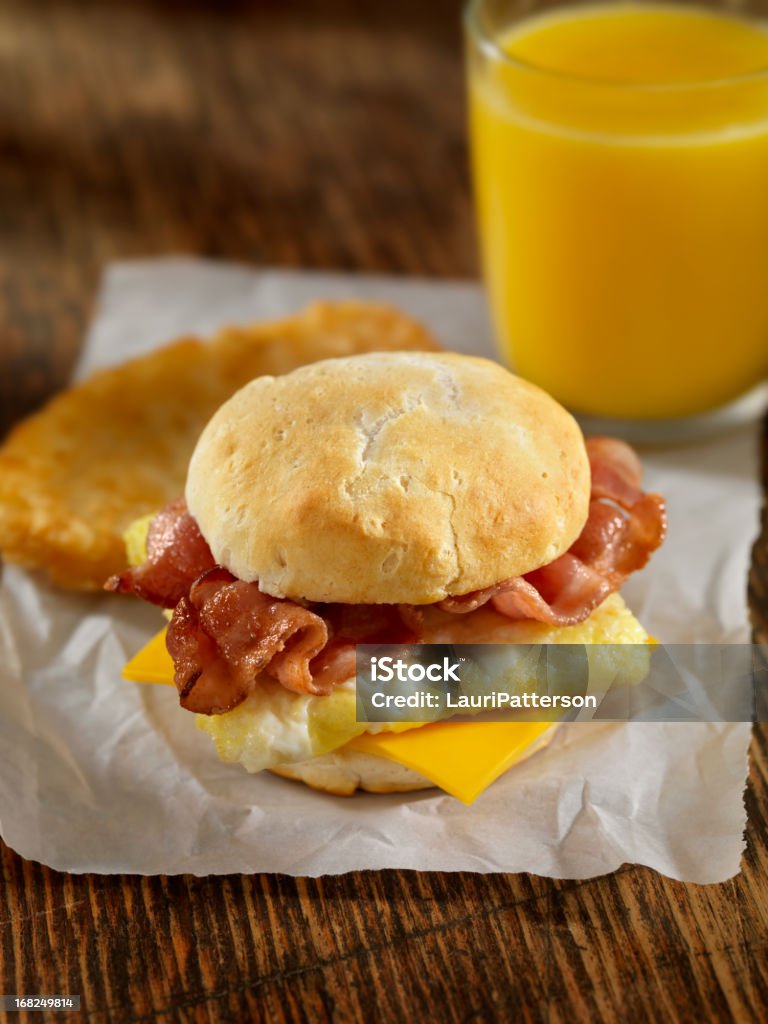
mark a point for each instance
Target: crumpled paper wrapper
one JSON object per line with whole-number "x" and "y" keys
{"x": 101, "y": 775}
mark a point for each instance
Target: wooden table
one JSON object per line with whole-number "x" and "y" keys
{"x": 305, "y": 134}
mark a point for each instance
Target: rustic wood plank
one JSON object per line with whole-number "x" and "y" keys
{"x": 313, "y": 134}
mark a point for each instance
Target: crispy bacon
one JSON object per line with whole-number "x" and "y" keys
{"x": 336, "y": 663}
{"x": 615, "y": 469}
{"x": 372, "y": 623}
{"x": 623, "y": 528}
{"x": 226, "y": 632}
{"x": 176, "y": 555}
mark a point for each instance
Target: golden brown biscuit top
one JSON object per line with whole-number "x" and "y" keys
{"x": 389, "y": 478}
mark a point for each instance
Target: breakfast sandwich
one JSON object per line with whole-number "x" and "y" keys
{"x": 404, "y": 497}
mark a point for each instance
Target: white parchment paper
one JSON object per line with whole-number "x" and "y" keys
{"x": 100, "y": 775}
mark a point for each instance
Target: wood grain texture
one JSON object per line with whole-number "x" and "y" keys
{"x": 307, "y": 134}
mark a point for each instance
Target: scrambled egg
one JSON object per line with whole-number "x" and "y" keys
{"x": 275, "y": 726}
{"x": 135, "y": 539}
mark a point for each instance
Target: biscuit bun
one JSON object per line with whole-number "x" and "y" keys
{"x": 389, "y": 478}
{"x": 343, "y": 771}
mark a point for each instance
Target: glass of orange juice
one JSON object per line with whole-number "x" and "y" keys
{"x": 620, "y": 164}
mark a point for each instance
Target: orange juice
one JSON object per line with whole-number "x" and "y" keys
{"x": 621, "y": 173}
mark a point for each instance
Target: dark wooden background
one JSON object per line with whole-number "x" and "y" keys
{"x": 304, "y": 134}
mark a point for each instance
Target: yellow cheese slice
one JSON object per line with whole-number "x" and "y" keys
{"x": 463, "y": 758}
{"x": 153, "y": 663}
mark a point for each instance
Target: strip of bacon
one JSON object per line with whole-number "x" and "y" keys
{"x": 371, "y": 623}
{"x": 615, "y": 469}
{"x": 226, "y": 632}
{"x": 624, "y": 527}
{"x": 177, "y": 554}
{"x": 336, "y": 663}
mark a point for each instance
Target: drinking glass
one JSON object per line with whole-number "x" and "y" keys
{"x": 623, "y": 215}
